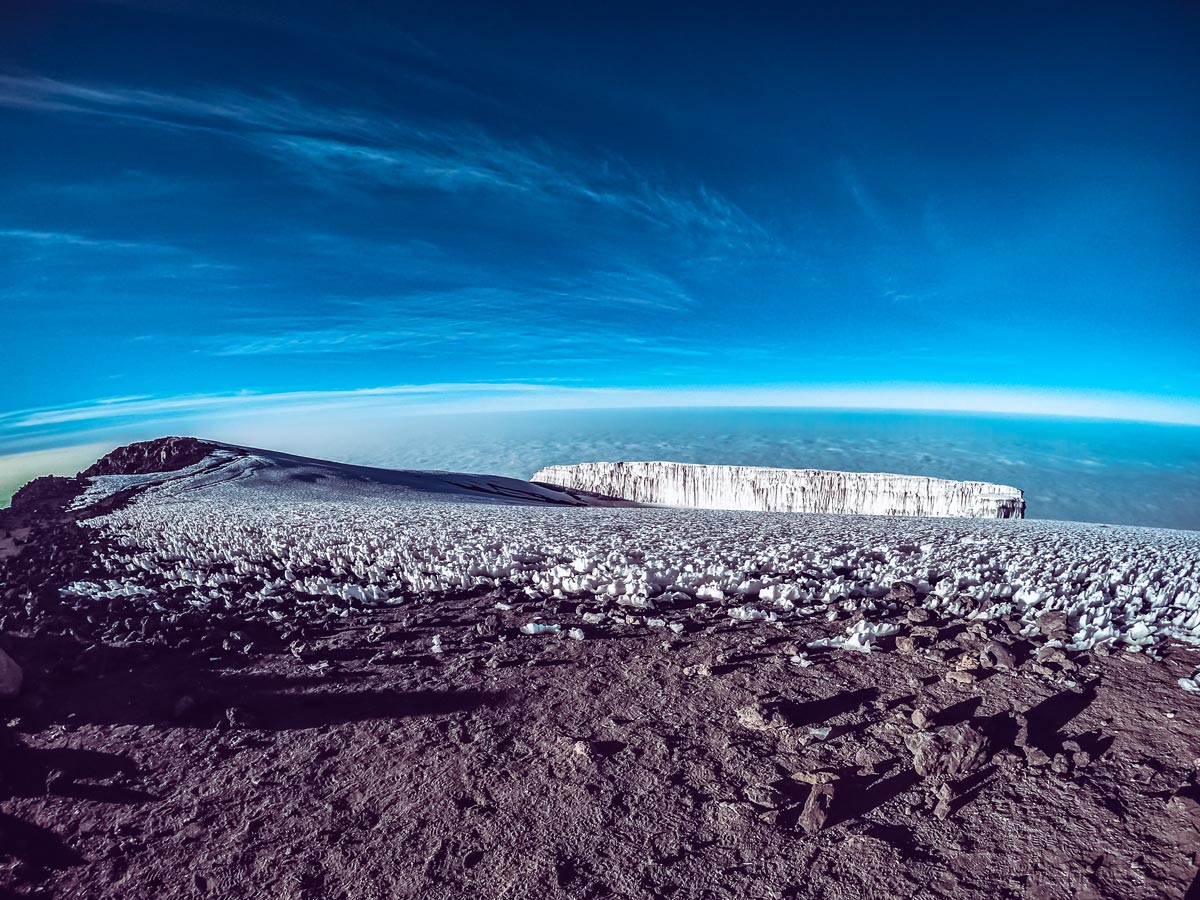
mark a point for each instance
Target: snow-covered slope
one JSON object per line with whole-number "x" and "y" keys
{"x": 788, "y": 490}
{"x": 281, "y": 476}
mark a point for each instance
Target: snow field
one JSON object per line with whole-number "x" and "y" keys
{"x": 1130, "y": 587}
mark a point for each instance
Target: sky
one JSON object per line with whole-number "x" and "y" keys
{"x": 228, "y": 210}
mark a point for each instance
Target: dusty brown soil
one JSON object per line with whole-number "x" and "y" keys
{"x": 540, "y": 767}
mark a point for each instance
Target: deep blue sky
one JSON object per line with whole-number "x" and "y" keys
{"x": 218, "y": 207}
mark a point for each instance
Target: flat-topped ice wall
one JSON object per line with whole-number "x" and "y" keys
{"x": 789, "y": 490}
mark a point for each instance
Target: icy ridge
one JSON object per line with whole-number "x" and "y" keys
{"x": 789, "y": 490}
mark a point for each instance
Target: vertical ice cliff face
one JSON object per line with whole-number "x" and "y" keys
{"x": 788, "y": 490}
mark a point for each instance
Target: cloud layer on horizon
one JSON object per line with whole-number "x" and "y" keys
{"x": 121, "y": 419}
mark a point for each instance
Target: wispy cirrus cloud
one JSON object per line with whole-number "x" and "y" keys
{"x": 143, "y": 407}
{"x": 67, "y": 239}
{"x": 534, "y": 315}
{"x": 220, "y": 110}
{"x": 541, "y": 344}
{"x": 864, "y": 200}
{"x": 331, "y": 148}
{"x": 75, "y": 266}
{"x": 462, "y": 160}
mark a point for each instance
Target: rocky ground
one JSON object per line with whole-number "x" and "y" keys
{"x": 434, "y": 749}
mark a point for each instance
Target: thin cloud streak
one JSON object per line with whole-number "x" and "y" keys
{"x": 538, "y": 313}
{"x": 56, "y": 239}
{"x": 329, "y": 148}
{"x": 112, "y": 408}
{"x": 863, "y": 199}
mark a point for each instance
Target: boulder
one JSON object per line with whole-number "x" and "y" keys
{"x": 816, "y": 808}
{"x": 1052, "y": 623}
{"x": 953, "y": 751}
{"x": 901, "y": 592}
{"x": 996, "y": 655}
{"x": 756, "y": 717}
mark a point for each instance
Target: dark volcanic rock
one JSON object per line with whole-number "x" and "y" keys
{"x": 167, "y": 454}
{"x": 1052, "y": 623}
{"x": 52, "y": 494}
{"x": 47, "y": 495}
{"x": 998, "y": 656}
{"x": 952, "y": 751}
{"x": 901, "y": 592}
{"x": 815, "y": 814}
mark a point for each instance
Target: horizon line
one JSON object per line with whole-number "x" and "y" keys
{"x": 131, "y": 417}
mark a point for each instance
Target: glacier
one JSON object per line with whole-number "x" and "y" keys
{"x": 788, "y": 490}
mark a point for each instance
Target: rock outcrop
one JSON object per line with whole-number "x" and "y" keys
{"x": 788, "y": 490}
{"x": 52, "y": 494}
{"x": 168, "y": 454}
{"x": 47, "y": 494}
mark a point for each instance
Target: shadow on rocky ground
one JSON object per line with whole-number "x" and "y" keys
{"x": 362, "y": 765}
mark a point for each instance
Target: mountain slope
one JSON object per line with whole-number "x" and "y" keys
{"x": 175, "y": 466}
